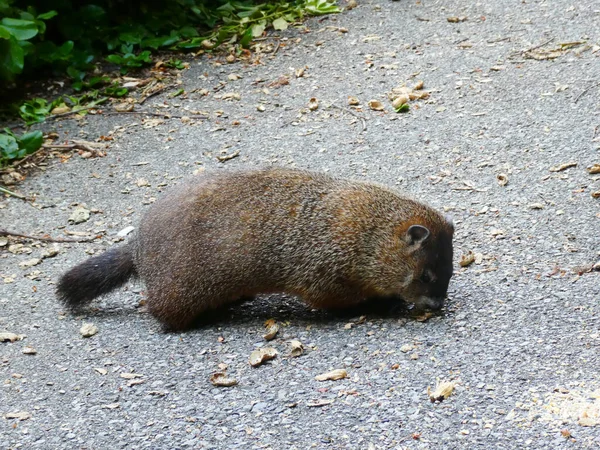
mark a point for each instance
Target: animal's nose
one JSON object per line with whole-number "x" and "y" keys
{"x": 434, "y": 303}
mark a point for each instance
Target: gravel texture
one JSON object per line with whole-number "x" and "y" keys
{"x": 520, "y": 334}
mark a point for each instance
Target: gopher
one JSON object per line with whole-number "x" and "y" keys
{"x": 220, "y": 237}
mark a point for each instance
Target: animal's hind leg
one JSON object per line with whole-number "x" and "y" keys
{"x": 175, "y": 306}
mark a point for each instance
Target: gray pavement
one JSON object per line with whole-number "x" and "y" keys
{"x": 521, "y": 331}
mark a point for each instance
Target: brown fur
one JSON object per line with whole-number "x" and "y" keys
{"x": 333, "y": 242}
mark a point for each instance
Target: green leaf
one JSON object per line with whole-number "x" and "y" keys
{"x": 47, "y": 16}
{"x": 8, "y": 145}
{"x": 12, "y": 58}
{"x": 20, "y": 29}
{"x": 403, "y": 108}
{"x": 30, "y": 142}
{"x": 280, "y": 24}
{"x": 115, "y": 59}
{"x": 319, "y": 7}
{"x": 259, "y": 28}
{"x": 158, "y": 42}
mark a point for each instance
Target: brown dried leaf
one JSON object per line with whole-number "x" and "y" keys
{"x": 336, "y": 374}
{"x": 261, "y": 355}
{"x": 313, "y": 104}
{"x": 316, "y": 403}
{"x": 221, "y": 379}
{"x": 130, "y": 376}
{"x": 88, "y": 330}
{"x": 272, "y": 329}
{"x": 502, "y": 179}
{"x": 297, "y": 348}
{"x": 594, "y": 169}
{"x": 21, "y": 415}
{"x": 29, "y": 351}
{"x": 456, "y": 19}
{"x": 11, "y": 337}
{"x": 419, "y": 85}
{"x": 353, "y": 101}
{"x": 376, "y": 105}
{"x": 467, "y": 259}
{"x": 400, "y": 100}
{"x": 442, "y": 391}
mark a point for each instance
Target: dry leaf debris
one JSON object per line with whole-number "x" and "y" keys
{"x": 336, "y": 374}
{"x": 261, "y": 355}
{"x": 442, "y": 391}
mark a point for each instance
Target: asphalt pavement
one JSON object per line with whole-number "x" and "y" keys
{"x": 503, "y": 144}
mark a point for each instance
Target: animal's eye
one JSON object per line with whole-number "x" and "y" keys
{"x": 425, "y": 277}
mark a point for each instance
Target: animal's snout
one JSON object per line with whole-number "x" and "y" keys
{"x": 434, "y": 303}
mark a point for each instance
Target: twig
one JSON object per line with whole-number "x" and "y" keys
{"x": 73, "y": 111}
{"x": 494, "y": 41}
{"x": 78, "y": 145}
{"x": 41, "y": 238}
{"x": 156, "y": 92}
{"x": 14, "y": 194}
{"x": 228, "y": 157}
{"x": 586, "y": 90}
{"x": 277, "y": 47}
{"x": 362, "y": 119}
{"x": 537, "y": 46}
{"x": 149, "y": 113}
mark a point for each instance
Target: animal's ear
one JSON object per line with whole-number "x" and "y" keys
{"x": 417, "y": 234}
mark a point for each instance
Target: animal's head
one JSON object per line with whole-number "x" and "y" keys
{"x": 417, "y": 262}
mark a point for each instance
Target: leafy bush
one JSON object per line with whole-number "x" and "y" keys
{"x": 16, "y": 147}
{"x": 71, "y": 35}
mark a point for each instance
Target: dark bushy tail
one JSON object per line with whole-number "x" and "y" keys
{"x": 96, "y": 276}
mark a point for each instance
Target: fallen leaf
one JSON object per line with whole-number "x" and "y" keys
{"x": 88, "y": 330}
{"x": 406, "y": 348}
{"x": 297, "y": 348}
{"x": 135, "y": 382}
{"x": 272, "y": 330}
{"x": 29, "y": 351}
{"x": 79, "y": 215}
{"x": 376, "y": 105}
{"x": 231, "y": 96}
{"x": 29, "y": 263}
{"x": 353, "y": 101}
{"x": 336, "y": 374}
{"x": 222, "y": 380}
{"x": 419, "y": 85}
{"x": 261, "y": 355}
{"x": 442, "y": 391}
{"x": 313, "y": 104}
{"x": 594, "y": 169}
{"x": 21, "y": 415}
{"x": 316, "y": 403}
{"x": 400, "y": 101}
{"x": 130, "y": 376}
{"x": 456, "y": 19}
{"x": 124, "y": 107}
{"x": 563, "y": 167}
{"x": 111, "y": 406}
{"x": 536, "y": 206}
{"x": 50, "y": 252}
{"x": 100, "y": 370}
{"x": 467, "y": 259}
{"x": 11, "y": 337}
{"x": 502, "y": 179}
